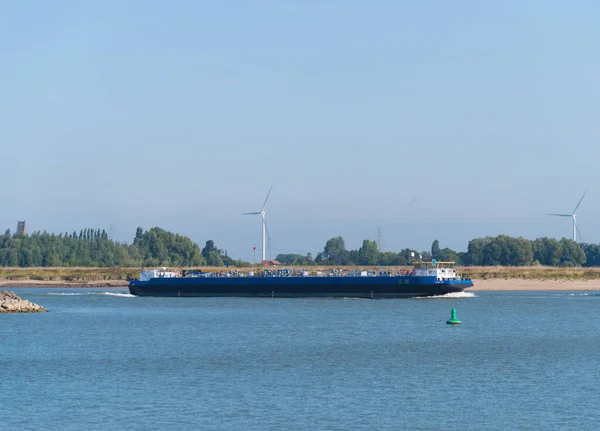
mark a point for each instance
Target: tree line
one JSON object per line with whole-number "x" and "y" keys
{"x": 158, "y": 247}
{"x": 93, "y": 248}
{"x": 489, "y": 251}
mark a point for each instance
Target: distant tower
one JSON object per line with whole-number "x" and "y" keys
{"x": 380, "y": 241}
{"x": 21, "y": 228}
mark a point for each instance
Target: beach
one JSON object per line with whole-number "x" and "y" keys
{"x": 511, "y": 284}
{"x": 63, "y": 283}
{"x": 515, "y": 284}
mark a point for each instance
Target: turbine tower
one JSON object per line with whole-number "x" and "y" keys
{"x": 262, "y": 213}
{"x": 574, "y": 217}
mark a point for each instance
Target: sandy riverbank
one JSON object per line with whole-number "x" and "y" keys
{"x": 513, "y": 284}
{"x": 62, "y": 283}
{"x": 516, "y": 284}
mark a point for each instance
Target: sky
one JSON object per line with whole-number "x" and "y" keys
{"x": 419, "y": 120}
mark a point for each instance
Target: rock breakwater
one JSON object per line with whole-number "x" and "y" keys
{"x": 11, "y": 303}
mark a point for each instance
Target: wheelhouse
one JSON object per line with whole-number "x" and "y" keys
{"x": 441, "y": 270}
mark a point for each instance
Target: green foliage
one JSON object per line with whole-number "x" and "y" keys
{"x": 295, "y": 259}
{"x": 547, "y": 251}
{"x": 389, "y": 258}
{"x": 93, "y": 248}
{"x": 239, "y": 263}
{"x": 334, "y": 253}
{"x": 209, "y": 248}
{"x": 592, "y": 254}
{"x": 214, "y": 259}
{"x": 368, "y": 254}
{"x": 44, "y": 249}
{"x": 507, "y": 251}
{"x": 475, "y": 251}
{"x": 435, "y": 250}
{"x": 572, "y": 253}
{"x": 158, "y": 247}
{"x": 448, "y": 255}
{"x": 501, "y": 250}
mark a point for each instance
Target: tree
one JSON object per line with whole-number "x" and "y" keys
{"x": 408, "y": 256}
{"x": 507, "y": 251}
{"x": 335, "y": 252}
{"x": 547, "y": 251}
{"x": 448, "y": 255}
{"x": 389, "y": 258}
{"x": 159, "y": 247}
{"x": 572, "y": 253}
{"x": 208, "y": 248}
{"x": 475, "y": 250}
{"x": 295, "y": 259}
{"x": 214, "y": 259}
{"x": 435, "y": 249}
{"x": 368, "y": 254}
{"x": 592, "y": 254}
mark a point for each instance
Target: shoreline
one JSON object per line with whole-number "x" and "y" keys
{"x": 64, "y": 284}
{"x": 522, "y": 285}
{"x": 489, "y": 285}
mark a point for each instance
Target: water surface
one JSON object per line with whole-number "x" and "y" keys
{"x": 101, "y": 359}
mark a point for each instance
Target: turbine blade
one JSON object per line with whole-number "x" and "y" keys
{"x": 579, "y": 202}
{"x": 268, "y": 239}
{"x": 578, "y": 233}
{"x": 256, "y": 213}
{"x": 562, "y": 215}
{"x": 263, "y": 207}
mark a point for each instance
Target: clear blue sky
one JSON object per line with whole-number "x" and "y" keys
{"x": 428, "y": 119}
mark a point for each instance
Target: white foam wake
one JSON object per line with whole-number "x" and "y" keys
{"x": 122, "y": 295}
{"x": 452, "y": 295}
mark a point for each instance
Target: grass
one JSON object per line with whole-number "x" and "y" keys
{"x": 83, "y": 275}
{"x": 531, "y": 273}
{"x": 68, "y": 274}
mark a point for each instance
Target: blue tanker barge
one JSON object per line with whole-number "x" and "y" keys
{"x": 426, "y": 279}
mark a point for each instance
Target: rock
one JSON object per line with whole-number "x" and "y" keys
{"x": 11, "y": 303}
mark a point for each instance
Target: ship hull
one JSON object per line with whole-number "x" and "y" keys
{"x": 298, "y": 287}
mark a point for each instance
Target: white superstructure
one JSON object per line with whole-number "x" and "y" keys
{"x": 441, "y": 270}
{"x": 147, "y": 274}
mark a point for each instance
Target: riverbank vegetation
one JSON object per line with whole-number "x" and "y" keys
{"x": 119, "y": 276}
{"x": 501, "y": 250}
{"x": 92, "y": 248}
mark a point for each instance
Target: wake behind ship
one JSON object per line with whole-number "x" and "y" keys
{"x": 426, "y": 279}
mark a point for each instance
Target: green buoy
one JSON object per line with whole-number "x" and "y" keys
{"x": 453, "y": 320}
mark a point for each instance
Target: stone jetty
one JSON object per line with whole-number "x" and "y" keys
{"x": 11, "y": 303}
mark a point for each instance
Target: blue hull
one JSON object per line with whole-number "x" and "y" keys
{"x": 298, "y": 287}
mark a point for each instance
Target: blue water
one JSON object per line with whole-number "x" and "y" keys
{"x": 104, "y": 360}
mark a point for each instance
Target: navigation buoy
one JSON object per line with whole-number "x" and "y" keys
{"x": 453, "y": 320}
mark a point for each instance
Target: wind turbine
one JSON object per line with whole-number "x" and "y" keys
{"x": 574, "y": 217}
{"x": 262, "y": 212}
